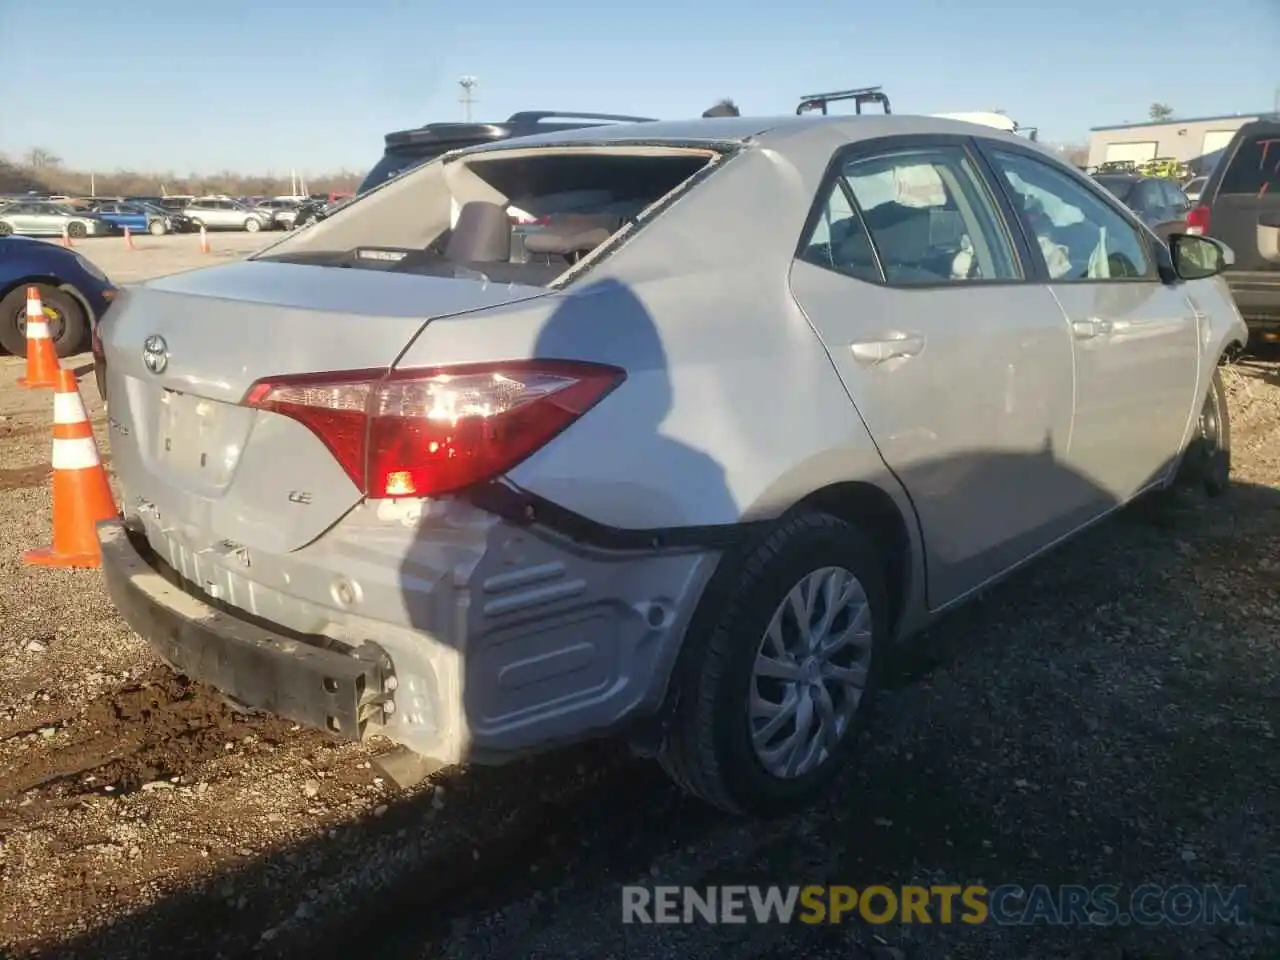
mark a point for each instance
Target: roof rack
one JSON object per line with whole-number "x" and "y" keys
{"x": 537, "y": 116}
{"x": 819, "y": 101}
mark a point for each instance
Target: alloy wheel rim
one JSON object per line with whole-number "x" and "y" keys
{"x": 810, "y": 672}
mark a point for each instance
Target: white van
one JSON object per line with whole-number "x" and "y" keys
{"x": 989, "y": 118}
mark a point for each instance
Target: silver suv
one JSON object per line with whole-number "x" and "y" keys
{"x": 756, "y": 399}
{"x": 222, "y": 214}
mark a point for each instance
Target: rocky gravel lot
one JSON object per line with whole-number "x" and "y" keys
{"x": 1108, "y": 716}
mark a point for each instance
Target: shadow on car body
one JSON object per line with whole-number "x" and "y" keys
{"x": 592, "y": 817}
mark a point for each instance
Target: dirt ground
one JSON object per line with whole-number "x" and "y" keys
{"x": 1108, "y": 716}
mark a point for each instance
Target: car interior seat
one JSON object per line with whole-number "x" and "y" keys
{"x": 902, "y": 235}
{"x": 481, "y": 235}
{"x": 573, "y": 235}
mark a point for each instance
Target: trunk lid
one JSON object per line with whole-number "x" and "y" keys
{"x": 213, "y": 471}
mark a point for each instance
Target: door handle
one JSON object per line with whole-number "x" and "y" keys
{"x": 1088, "y": 329}
{"x": 872, "y": 352}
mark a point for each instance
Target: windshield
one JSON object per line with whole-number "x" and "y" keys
{"x": 1119, "y": 187}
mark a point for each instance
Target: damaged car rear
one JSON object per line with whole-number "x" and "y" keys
{"x": 643, "y": 431}
{"x": 336, "y": 456}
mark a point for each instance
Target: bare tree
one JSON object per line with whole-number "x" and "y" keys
{"x": 1160, "y": 111}
{"x": 38, "y": 158}
{"x": 42, "y": 170}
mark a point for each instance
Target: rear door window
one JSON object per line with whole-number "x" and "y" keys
{"x": 1175, "y": 198}
{"x": 1148, "y": 198}
{"x": 1255, "y": 167}
{"x": 929, "y": 218}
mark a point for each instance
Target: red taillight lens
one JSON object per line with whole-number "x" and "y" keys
{"x": 425, "y": 433}
{"x": 1198, "y": 220}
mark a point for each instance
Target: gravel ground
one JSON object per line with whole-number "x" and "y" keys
{"x": 1107, "y": 716}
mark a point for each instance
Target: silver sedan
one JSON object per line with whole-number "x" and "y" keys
{"x": 41, "y": 218}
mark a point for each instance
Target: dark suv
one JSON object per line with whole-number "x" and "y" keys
{"x": 1157, "y": 201}
{"x": 410, "y": 148}
{"x": 1240, "y": 206}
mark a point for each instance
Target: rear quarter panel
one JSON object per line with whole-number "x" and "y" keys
{"x": 731, "y": 409}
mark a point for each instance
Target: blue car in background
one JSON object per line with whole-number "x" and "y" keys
{"x": 138, "y": 217}
{"x": 75, "y": 294}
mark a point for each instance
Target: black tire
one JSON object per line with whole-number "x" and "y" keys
{"x": 77, "y": 230}
{"x": 69, "y": 330}
{"x": 157, "y": 228}
{"x": 253, "y": 225}
{"x": 1206, "y": 463}
{"x": 707, "y": 746}
{"x": 5, "y": 229}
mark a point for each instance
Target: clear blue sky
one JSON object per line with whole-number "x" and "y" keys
{"x": 265, "y": 85}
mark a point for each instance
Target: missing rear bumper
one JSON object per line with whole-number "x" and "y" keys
{"x": 334, "y": 690}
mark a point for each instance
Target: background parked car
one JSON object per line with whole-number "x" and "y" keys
{"x": 281, "y": 210}
{"x": 406, "y": 149}
{"x": 1241, "y": 207}
{"x": 1158, "y": 201}
{"x": 318, "y": 208}
{"x": 138, "y": 217}
{"x": 219, "y": 214}
{"x": 1193, "y": 188}
{"x": 75, "y": 294}
{"x": 42, "y": 218}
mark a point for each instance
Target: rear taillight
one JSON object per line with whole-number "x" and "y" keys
{"x": 1198, "y": 220}
{"x": 425, "y": 433}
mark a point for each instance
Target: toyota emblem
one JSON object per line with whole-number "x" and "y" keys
{"x": 155, "y": 353}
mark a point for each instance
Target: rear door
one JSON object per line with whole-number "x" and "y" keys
{"x": 1136, "y": 338}
{"x": 957, "y": 358}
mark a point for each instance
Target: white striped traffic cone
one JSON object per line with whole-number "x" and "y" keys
{"x": 81, "y": 492}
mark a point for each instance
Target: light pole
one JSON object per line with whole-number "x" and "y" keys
{"x": 467, "y": 84}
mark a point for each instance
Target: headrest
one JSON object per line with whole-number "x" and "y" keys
{"x": 481, "y": 235}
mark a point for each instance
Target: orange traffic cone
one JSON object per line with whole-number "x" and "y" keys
{"x": 204, "y": 240}
{"x": 42, "y": 358}
{"x": 81, "y": 494}
{"x": 128, "y": 239}
{"x": 66, "y": 236}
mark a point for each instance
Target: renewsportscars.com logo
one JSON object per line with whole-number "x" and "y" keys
{"x": 1007, "y": 905}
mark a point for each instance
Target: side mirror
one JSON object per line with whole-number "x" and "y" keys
{"x": 1198, "y": 257}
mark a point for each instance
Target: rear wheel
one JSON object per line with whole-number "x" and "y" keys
{"x": 1207, "y": 460}
{"x": 66, "y": 319}
{"x": 779, "y": 669}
